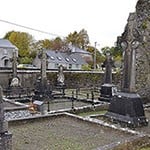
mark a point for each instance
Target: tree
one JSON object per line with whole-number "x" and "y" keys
{"x": 22, "y": 41}
{"x": 58, "y": 43}
{"x": 54, "y": 44}
{"x": 105, "y": 50}
{"x": 115, "y": 51}
{"x": 80, "y": 39}
{"x": 99, "y": 57}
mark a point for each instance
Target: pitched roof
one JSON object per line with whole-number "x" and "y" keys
{"x": 64, "y": 57}
{"x": 54, "y": 56}
{"x": 6, "y": 44}
{"x": 75, "y": 49}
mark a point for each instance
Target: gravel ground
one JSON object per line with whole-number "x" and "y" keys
{"x": 17, "y": 114}
{"x": 63, "y": 133}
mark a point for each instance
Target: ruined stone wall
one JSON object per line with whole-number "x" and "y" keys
{"x": 143, "y": 52}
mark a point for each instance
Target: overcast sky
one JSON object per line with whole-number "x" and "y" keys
{"x": 104, "y": 20}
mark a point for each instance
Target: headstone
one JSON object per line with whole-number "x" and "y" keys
{"x": 14, "y": 88}
{"x": 5, "y": 136}
{"x": 60, "y": 76}
{"x": 60, "y": 83}
{"x": 15, "y": 81}
{"x": 129, "y": 44}
{"x": 107, "y": 89}
{"x": 126, "y": 106}
{"x": 43, "y": 68}
{"x": 42, "y": 86}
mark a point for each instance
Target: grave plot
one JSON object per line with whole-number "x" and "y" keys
{"x": 63, "y": 131}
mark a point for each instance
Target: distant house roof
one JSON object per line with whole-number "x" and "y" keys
{"x": 64, "y": 57}
{"x": 6, "y": 44}
{"x": 75, "y": 49}
{"x": 54, "y": 56}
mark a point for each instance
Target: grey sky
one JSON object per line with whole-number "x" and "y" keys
{"x": 104, "y": 20}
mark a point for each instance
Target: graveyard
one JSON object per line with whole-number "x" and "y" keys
{"x": 42, "y": 110}
{"x": 77, "y": 118}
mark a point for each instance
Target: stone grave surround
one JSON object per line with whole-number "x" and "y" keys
{"x": 5, "y": 136}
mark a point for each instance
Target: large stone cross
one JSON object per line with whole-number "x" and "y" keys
{"x": 129, "y": 44}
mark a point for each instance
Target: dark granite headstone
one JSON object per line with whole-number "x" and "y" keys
{"x": 127, "y": 108}
{"x": 107, "y": 89}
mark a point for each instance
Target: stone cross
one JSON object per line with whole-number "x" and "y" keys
{"x": 14, "y": 63}
{"x": 129, "y": 44}
{"x": 43, "y": 68}
{"x": 108, "y": 64}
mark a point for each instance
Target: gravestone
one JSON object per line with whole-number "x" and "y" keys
{"x": 60, "y": 83}
{"x": 126, "y": 106}
{"x": 142, "y": 32}
{"x": 60, "y": 76}
{"x": 43, "y": 70}
{"x": 14, "y": 81}
{"x": 42, "y": 86}
{"x": 5, "y": 136}
{"x": 107, "y": 89}
{"x": 14, "y": 88}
